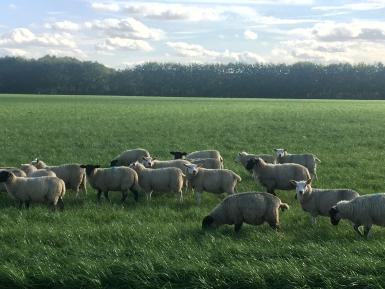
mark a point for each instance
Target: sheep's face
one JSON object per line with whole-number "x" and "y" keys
{"x": 335, "y": 216}
{"x": 302, "y": 188}
{"x": 280, "y": 153}
{"x": 239, "y": 156}
{"x": 178, "y": 155}
{"x": 114, "y": 163}
{"x": 192, "y": 169}
{"x": 4, "y": 176}
{"x": 148, "y": 162}
{"x": 90, "y": 168}
{"x": 136, "y": 166}
{"x": 254, "y": 162}
{"x": 36, "y": 163}
{"x": 209, "y": 223}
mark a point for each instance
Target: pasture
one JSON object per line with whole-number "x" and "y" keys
{"x": 161, "y": 245}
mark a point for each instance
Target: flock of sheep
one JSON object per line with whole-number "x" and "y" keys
{"x": 135, "y": 170}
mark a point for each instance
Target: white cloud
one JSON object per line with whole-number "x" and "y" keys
{"x": 107, "y": 7}
{"x": 200, "y": 54}
{"x": 64, "y": 25}
{"x": 250, "y": 35}
{"x": 12, "y": 6}
{"x": 358, "y": 6}
{"x": 13, "y": 52}
{"x": 111, "y": 44}
{"x": 126, "y": 28}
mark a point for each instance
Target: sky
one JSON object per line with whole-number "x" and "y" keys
{"x": 120, "y": 34}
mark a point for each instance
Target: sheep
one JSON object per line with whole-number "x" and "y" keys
{"x": 244, "y": 157}
{"x": 364, "y": 211}
{"x": 213, "y": 154}
{"x": 307, "y": 160}
{"x": 17, "y": 172}
{"x": 129, "y": 156}
{"x": 160, "y": 180}
{"x": 149, "y": 162}
{"x": 122, "y": 179}
{"x": 320, "y": 201}
{"x": 251, "y": 207}
{"x": 276, "y": 176}
{"x": 214, "y": 181}
{"x": 207, "y": 163}
{"x": 72, "y": 174}
{"x": 40, "y": 190}
{"x": 28, "y": 168}
{"x": 41, "y": 173}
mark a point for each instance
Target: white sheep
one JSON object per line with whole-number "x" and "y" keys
{"x": 277, "y": 176}
{"x": 149, "y": 162}
{"x": 244, "y": 157}
{"x": 72, "y": 174}
{"x": 212, "y": 154}
{"x": 307, "y": 160}
{"x": 49, "y": 190}
{"x": 251, "y": 207}
{"x": 121, "y": 179}
{"x": 17, "y": 172}
{"x": 164, "y": 180}
{"x": 213, "y": 181}
{"x": 208, "y": 163}
{"x": 364, "y": 211}
{"x": 41, "y": 173}
{"x": 320, "y": 201}
{"x": 28, "y": 168}
{"x": 129, "y": 156}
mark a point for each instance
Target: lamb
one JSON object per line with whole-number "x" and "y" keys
{"x": 42, "y": 173}
{"x": 307, "y": 160}
{"x": 49, "y": 190}
{"x": 213, "y": 154}
{"x": 208, "y": 163}
{"x": 277, "y": 176}
{"x": 17, "y": 172}
{"x": 320, "y": 201}
{"x": 129, "y": 156}
{"x": 244, "y": 157}
{"x": 364, "y": 211}
{"x": 214, "y": 181}
{"x": 251, "y": 207}
{"x": 121, "y": 179}
{"x": 162, "y": 180}
{"x": 72, "y": 174}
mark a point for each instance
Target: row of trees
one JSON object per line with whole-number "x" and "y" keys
{"x": 53, "y": 75}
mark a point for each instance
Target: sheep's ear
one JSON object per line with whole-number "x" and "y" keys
{"x": 293, "y": 182}
{"x": 83, "y": 166}
{"x": 308, "y": 181}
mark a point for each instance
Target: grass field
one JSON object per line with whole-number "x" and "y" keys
{"x": 161, "y": 245}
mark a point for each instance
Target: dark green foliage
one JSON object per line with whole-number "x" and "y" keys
{"x": 52, "y": 75}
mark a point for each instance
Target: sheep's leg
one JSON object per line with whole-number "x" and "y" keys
{"x": 274, "y": 226}
{"x": 99, "y": 195}
{"x": 60, "y": 204}
{"x": 356, "y": 228}
{"x": 136, "y": 194}
{"x": 180, "y": 196}
{"x": 237, "y": 227}
{"x": 107, "y": 196}
{"x": 124, "y": 196}
{"x": 198, "y": 197}
{"x": 366, "y": 230}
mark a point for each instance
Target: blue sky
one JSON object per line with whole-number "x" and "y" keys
{"x": 124, "y": 33}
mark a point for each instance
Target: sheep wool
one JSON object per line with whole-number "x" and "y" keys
{"x": 251, "y": 207}
{"x": 129, "y": 156}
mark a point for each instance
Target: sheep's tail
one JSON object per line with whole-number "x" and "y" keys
{"x": 317, "y": 159}
{"x": 284, "y": 206}
{"x": 238, "y": 178}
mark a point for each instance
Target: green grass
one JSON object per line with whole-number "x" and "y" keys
{"x": 161, "y": 245}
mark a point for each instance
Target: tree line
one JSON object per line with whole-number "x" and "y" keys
{"x": 64, "y": 75}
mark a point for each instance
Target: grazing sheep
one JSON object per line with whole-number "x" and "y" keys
{"x": 121, "y": 179}
{"x": 49, "y": 190}
{"x": 28, "y": 168}
{"x": 214, "y": 181}
{"x": 277, "y": 176}
{"x": 320, "y": 201}
{"x": 17, "y": 172}
{"x": 208, "y": 163}
{"x": 72, "y": 174}
{"x": 307, "y": 160}
{"x": 149, "y": 162}
{"x": 212, "y": 154}
{"x": 364, "y": 211}
{"x": 129, "y": 156}
{"x": 252, "y": 208}
{"x": 42, "y": 173}
{"x": 244, "y": 157}
{"x": 162, "y": 180}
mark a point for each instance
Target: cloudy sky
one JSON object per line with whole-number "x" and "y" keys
{"x": 123, "y": 33}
